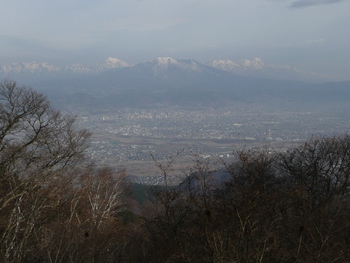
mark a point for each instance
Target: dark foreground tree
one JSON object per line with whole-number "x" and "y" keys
{"x": 316, "y": 224}
{"x": 277, "y": 207}
{"x": 85, "y": 226}
{"x": 37, "y": 143}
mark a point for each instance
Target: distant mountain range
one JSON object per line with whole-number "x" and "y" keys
{"x": 250, "y": 68}
{"x": 258, "y": 68}
{"x": 167, "y": 81}
{"x": 43, "y": 70}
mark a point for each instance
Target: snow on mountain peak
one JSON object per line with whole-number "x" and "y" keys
{"x": 114, "y": 63}
{"x": 259, "y": 62}
{"x": 109, "y": 63}
{"x": 165, "y": 60}
{"x": 258, "y": 68}
{"x": 162, "y": 63}
{"x": 161, "y": 66}
{"x": 243, "y": 65}
{"x": 41, "y": 68}
{"x": 28, "y": 67}
{"x": 227, "y": 65}
{"x": 256, "y": 63}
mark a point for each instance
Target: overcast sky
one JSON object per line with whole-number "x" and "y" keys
{"x": 313, "y": 35}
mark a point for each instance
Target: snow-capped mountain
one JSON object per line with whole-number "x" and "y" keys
{"x": 163, "y": 65}
{"x": 167, "y": 81}
{"x": 46, "y": 70}
{"x": 29, "y": 67}
{"x": 259, "y": 69}
{"x": 109, "y": 63}
{"x": 226, "y": 65}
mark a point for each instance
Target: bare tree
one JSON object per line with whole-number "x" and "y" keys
{"x": 287, "y": 207}
{"x": 85, "y": 226}
{"x": 104, "y": 194}
{"x": 37, "y": 143}
{"x": 318, "y": 173}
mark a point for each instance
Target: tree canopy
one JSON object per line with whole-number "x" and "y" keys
{"x": 36, "y": 144}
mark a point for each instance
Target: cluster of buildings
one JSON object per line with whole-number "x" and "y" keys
{"x": 189, "y": 127}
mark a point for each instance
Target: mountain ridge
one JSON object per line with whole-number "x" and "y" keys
{"x": 256, "y": 68}
{"x": 185, "y": 82}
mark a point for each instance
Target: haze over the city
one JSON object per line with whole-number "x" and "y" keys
{"x": 312, "y": 35}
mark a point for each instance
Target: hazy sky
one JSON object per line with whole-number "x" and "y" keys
{"x": 313, "y": 35}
